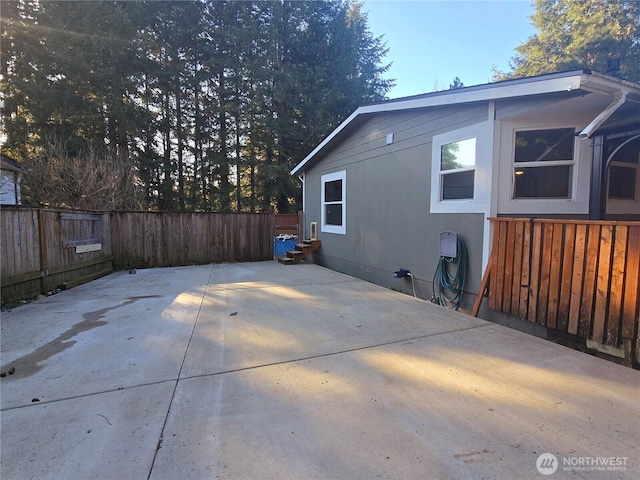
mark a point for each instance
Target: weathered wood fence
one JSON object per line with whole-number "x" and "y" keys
{"x": 42, "y": 249}
{"x": 163, "y": 239}
{"x": 578, "y": 277}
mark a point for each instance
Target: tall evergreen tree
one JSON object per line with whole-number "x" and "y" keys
{"x": 211, "y": 103}
{"x": 574, "y": 34}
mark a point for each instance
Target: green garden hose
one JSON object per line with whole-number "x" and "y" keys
{"x": 451, "y": 281}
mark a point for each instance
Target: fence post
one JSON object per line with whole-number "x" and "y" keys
{"x": 43, "y": 250}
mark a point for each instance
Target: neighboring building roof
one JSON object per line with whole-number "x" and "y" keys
{"x": 583, "y": 80}
{"x": 7, "y": 163}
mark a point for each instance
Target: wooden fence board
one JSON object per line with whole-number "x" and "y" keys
{"x": 631, "y": 307}
{"x": 508, "y": 265}
{"x": 496, "y": 283}
{"x": 534, "y": 284}
{"x": 567, "y": 275}
{"x": 545, "y": 274}
{"x": 579, "y": 257}
{"x": 517, "y": 268}
{"x": 603, "y": 275}
{"x": 616, "y": 288}
{"x": 555, "y": 274}
{"x": 589, "y": 282}
{"x": 493, "y": 279}
{"x": 525, "y": 274}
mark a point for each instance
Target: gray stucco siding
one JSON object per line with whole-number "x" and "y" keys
{"x": 388, "y": 224}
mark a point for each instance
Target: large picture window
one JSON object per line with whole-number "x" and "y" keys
{"x": 543, "y": 163}
{"x": 334, "y": 203}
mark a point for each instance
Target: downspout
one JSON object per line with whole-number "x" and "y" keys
{"x": 302, "y": 227}
{"x": 618, "y": 99}
{"x": 301, "y": 178}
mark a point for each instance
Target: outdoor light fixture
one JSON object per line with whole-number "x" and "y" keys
{"x": 519, "y": 172}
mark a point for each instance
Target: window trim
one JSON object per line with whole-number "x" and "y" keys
{"x": 483, "y": 134}
{"x": 506, "y": 205}
{"x": 542, "y": 164}
{"x": 331, "y": 177}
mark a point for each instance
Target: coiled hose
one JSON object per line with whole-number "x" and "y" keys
{"x": 451, "y": 282}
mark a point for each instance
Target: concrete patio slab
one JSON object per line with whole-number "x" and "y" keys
{"x": 106, "y": 435}
{"x": 63, "y": 349}
{"x": 265, "y": 371}
{"x": 444, "y": 406}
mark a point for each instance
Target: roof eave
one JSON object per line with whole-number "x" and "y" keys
{"x": 522, "y": 87}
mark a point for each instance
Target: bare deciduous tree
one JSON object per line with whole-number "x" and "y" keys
{"x": 92, "y": 180}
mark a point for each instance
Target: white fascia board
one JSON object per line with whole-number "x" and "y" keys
{"x": 488, "y": 92}
{"x": 328, "y": 139}
{"x": 599, "y": 83}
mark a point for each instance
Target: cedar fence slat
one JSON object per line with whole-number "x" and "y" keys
{"x": 631, "y": 301}
{"x": 493, "y": 279}
{"x": 534, "y": 283}
{"x": 567, "y": 275}
{"x": 603, "y": 281}
{"x": 589, "y": 286}
{"x": 617, "y": 287}
{"x": 555, "y": 274}
{"x": 499, "y": 272}
{"x": 517, "y": 268}
{"x": 576, "y": 276}
{"x": 579, "y": 255}
{"x": 545, "y": 274}
{"x": 509, "y": 264}
{"x": 526, "y": 270}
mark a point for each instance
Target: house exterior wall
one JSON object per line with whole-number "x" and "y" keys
{"x": 388, "y": 187}
{"x": 390, "y": 163}
{"x": 9, "y": 188}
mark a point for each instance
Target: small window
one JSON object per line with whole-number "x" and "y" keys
{"x": 334, "y": 203}
{"x": 624, "y": 172}
{"x": 622, "y": 182}
{"x": 543, "y": 163}
{"x": 457, "y": 169}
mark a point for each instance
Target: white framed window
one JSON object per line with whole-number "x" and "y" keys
{"x": 559, "y": 182}
{"x": 457, "y": 169}
{"x": 461, "y": 166}
{"x": 334, "y": 202}
{"x": 543, "y": 163}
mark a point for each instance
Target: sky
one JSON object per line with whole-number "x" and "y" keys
{"x": 432, "y": 42}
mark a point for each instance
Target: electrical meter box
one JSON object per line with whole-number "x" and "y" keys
{"x": 448, "y": 244}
